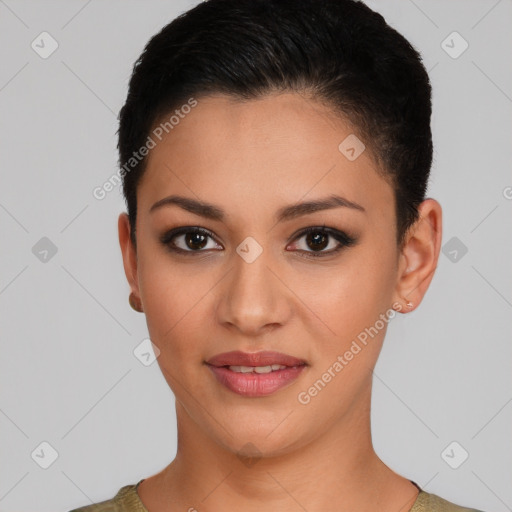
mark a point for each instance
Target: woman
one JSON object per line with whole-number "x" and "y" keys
{"x": 275, "y": 156}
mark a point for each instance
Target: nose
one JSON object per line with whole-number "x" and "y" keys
{"x": 252, "y": 299}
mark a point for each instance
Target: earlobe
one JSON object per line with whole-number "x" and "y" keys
{"x": 128, "y": 253}
{"x": 420, "y": 254}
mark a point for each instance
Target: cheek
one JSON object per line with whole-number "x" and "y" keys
{"x": 344, "y": 361}
{"x": 173, "y": 300}
{"x": 355, "y": 295}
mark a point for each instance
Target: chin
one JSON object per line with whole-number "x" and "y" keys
{"x": 260, "y": 439}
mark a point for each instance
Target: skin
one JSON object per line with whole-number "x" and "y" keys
{"x": 251, "y": 159}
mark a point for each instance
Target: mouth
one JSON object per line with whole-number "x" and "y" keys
{"x": 257, "y": 369}
{"x": 255, "y": 374}
{"x": 265, "y": 359}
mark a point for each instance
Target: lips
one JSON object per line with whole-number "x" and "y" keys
{"x": 265, "y": 358}
{"x": 256, "y": 374}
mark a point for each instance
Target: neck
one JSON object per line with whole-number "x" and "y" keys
{"x": 340, "y": 467}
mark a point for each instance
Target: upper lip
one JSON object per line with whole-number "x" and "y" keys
{"x": 265, "y": 358}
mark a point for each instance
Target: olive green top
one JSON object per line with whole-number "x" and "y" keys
{"x": 127, "y": 500}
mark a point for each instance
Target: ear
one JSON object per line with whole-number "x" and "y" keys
{"x": 419, "y": 256}
{"x": 129, "y": 253}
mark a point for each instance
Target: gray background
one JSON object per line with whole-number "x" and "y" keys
{"x": 68, "y": 373}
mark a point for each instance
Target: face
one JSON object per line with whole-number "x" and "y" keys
{"x": 246, "y": 275}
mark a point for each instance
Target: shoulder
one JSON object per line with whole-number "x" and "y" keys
{"x": 427, "y": 502}
{"x": 126, "y": 500}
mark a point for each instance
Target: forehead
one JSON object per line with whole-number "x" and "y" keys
{"x": 268, "y": 151}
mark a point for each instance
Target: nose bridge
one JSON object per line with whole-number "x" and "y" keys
{"x": 252, "y": 297}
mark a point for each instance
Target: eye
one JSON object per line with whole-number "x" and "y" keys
{"x": 320, "y": 238}
{"x": 318, "y": 241}
{"x": 189, "y": 239}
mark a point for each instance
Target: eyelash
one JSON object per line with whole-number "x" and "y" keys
{"x": 342, "y": 238}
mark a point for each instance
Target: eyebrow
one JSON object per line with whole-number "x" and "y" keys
{"x": 293, "y": 211}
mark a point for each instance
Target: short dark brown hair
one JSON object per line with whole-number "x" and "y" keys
{"x": 340, "y": 52}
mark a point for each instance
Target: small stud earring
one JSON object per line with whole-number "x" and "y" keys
{"x": 134, "y": 303}
{"x": 409, "y": 304}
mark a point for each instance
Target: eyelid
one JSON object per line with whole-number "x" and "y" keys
{"x": 172, "y": 233}
{"x": 342, "y": 238}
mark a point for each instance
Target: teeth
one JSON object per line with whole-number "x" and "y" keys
{"x": 257, "y": 369}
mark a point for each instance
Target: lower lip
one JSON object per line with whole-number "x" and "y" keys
{"x": 256, "y": 384}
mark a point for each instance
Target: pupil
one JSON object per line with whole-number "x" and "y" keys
{"x": 194, "y": 239}
{"x": 317, "y": 240}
